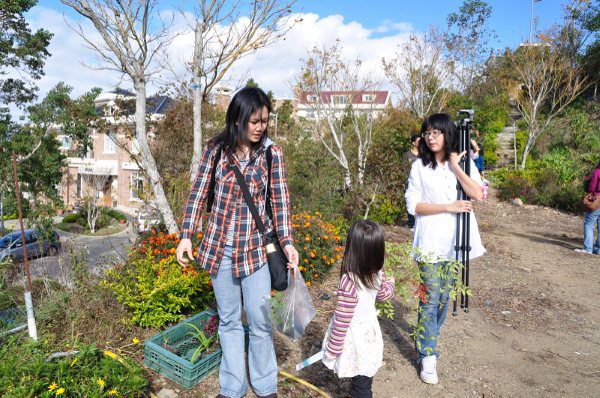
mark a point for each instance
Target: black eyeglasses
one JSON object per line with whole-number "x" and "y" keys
{"x": 433, "y": 133}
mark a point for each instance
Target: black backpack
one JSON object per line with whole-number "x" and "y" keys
{"x": 210, "y": 198}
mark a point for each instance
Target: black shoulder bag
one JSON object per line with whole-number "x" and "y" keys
{"x": 276, "y": 258}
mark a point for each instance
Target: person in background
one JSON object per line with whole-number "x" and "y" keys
{"x": 478, "y": 152}
{"x": 592, "y": 218}
{"x": 408, "y": 158}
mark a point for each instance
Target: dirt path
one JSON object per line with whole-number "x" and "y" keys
{"x": 532, "y": 331}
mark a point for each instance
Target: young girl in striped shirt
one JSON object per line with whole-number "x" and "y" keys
{"x": 353, "y": 344}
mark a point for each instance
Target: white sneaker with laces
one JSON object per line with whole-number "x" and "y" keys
{"x": 582, "y": 251}
{"x": 428, "y": 370}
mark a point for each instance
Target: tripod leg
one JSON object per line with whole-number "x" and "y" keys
{"x": 468, "y": 259}
{"x": 464, "y": 256}
{"x": 457, "y": 249}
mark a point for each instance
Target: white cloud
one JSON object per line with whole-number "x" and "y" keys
{"x": 274, "y": 67}
{"x": 68, "y": 55}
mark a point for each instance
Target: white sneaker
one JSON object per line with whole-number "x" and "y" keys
{"x": 428, "y": 370}
{"x": 582, "y": 251}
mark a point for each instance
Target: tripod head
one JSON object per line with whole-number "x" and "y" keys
{"x": 466, "y": 117}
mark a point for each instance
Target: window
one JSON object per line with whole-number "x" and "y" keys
{"x": 31, "y": 238}
{"x": 310, "y": 115}
{"x": 65, "y": 142}
{"x": 109, "y": 142}
{"x": 339, "y": 99}
{"x": 368, "y": 97}
{"x": 311, "y": 98}
{"x": 137, "y": 185}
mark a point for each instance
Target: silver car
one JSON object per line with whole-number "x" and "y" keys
{"x": 11, "y": 245}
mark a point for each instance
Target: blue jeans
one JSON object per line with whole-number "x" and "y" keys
{"x": 262, "y": 364}
{"x": 479, "y": 163}
{"x": 591, "y": 219}
{"x": 439, "y": 279}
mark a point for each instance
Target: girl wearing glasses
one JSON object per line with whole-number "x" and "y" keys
{"x": 432, "y": 197}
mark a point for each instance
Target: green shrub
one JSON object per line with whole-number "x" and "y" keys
{"x": 516, "y": 185}
{"x": 113, "y": 213}
{"x": 25, "y": 372}
{"x": 385, "y": 212}
{"x": 71, "y": 218}
{"x": 159, "y": 291}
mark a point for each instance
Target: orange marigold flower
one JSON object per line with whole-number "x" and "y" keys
{"x": 308, "y": 283}
{"x": 312, "y": 255}
{"x": 324, "y": 257}
{"x": 200, "y": 234}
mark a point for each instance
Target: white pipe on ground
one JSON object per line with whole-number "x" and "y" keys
{"x": 30, "y": 317}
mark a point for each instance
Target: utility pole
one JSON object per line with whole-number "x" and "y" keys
{"x": 531, "y": 19}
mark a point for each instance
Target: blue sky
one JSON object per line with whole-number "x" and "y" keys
{"x": 368, "y": 29}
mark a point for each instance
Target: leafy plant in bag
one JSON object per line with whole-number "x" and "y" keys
{"x": 291, "y": 311}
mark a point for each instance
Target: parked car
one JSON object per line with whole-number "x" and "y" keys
{"x": 146, "y": 218}
{"x": 11, "y": 245}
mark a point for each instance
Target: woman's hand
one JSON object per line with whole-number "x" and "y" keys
{"x": 292, "y": 255}
{"x": 455, "y": 159}
{"x": 460, "y": 206}
{"x": 185, "y": 246}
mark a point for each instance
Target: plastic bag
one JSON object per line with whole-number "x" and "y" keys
{"x": 292, "y": 309}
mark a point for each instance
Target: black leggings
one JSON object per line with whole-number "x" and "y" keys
{"x": 361, "y": 387}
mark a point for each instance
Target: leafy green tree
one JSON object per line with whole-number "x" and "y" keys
{"x": 251, "y": 83}
{"x": 41, "y": 163}
{"x": 468, "y": 40}
{"x": 21, "y": 51}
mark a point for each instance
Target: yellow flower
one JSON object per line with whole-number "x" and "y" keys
{"x": 52, "y": 386}
{"x": 101, "y": 383}
{"x": 135, "y": 340}
{"x": 74, "y": 361}
{"x": 113, "y": 392}
{"x": 60, "y": 391}
{"x": 110, "y": 354}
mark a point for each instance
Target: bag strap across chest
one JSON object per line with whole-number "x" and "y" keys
{"x": 211, "y": 187}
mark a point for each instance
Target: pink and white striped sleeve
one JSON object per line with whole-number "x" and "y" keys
{"x": 386, "y": 291}
{"x": 347, "y": 300}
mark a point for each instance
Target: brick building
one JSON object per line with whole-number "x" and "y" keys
{"x": 110, "y": 158}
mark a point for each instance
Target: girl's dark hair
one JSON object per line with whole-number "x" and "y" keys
{"x": 365, "y": 252}
{"x": 444, "y": 123}
{"x": 243, "y": 104}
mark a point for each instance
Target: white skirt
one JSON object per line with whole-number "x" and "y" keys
{"x": 363, "y": 350}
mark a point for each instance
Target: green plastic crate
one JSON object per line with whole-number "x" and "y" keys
{"x": 176, "y": 367}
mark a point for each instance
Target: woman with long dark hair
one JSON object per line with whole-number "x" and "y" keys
{"x": 592, "y": 218}
{"x": 432, "y": 197}
{"x": 232, "y": 248}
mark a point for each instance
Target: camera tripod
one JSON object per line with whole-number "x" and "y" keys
{"x": 463, "y": 220}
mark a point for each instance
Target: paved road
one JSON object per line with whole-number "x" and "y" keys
{"x": 99, "y": 252}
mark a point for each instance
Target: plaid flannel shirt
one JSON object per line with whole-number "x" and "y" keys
{"x": 249, "y": 253}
